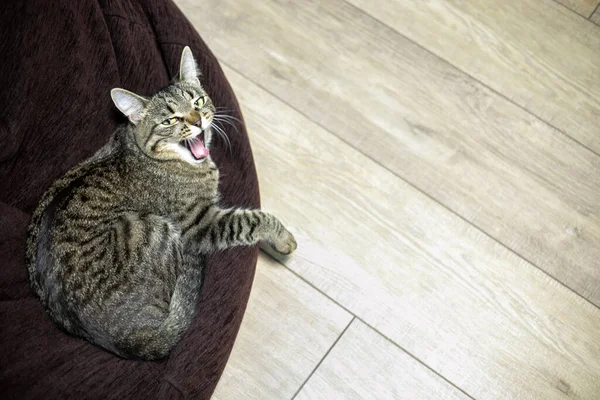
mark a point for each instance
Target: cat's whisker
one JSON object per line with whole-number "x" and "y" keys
{"x": 227, "y": 116}
{"x": 225, "y": 112}
{"x": 217, "y": 119}
{"x": 228, "y": 123}
{"x": 231, "y": 121}
{"x": 222, "y": 133}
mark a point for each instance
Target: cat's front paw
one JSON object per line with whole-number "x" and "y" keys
{"x": 285, "y": 244}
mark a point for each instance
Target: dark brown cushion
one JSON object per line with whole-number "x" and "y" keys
{"x": 59, "y": 61}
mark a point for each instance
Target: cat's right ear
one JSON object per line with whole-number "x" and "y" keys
{"x": 129, "y": 104}
{"x": 188, "y": 69}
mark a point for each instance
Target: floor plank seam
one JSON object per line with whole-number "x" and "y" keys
{"x": 354, "y": 316}
{"x": 411, "y": 184}
{"x": 418, "y": 360}
{"x": 593, "y": 12}
{"x": 571, "y": 10}
{"x": 476, "y": 79}
{"x": 326, "y": 353}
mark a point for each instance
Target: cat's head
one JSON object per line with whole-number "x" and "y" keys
{"x": 172, "y": 124}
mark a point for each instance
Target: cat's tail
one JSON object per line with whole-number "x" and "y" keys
{"x": 152, "y": 343}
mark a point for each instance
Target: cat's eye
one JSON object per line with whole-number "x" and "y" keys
{"x": 200, "y": 101}
{"x": 170, "y": 121}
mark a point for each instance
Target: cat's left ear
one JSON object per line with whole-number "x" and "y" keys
{"x": 129, "y": 104}
{"x": 188, "y": 70}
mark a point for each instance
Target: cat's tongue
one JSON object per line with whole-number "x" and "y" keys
{"x": 198, "y": 149}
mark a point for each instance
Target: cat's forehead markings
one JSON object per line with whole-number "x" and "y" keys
{"x": 183, "y": 92}
{"x": 187, "y": 94}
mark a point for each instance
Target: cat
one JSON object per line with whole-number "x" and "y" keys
{"x": 116, "y": 247}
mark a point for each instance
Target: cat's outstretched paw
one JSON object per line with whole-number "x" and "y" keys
{"x": 283, "y": 245}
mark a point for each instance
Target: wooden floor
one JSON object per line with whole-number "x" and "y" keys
{"x": 439, "y": 163}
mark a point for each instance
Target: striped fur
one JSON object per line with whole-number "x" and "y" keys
{"x": 116, "y": 247}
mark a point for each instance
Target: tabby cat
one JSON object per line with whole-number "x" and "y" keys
{"x": 117, "y": 245}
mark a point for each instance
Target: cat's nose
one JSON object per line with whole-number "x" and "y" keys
{"x": 194, "y": 119}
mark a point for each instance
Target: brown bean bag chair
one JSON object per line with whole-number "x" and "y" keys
{"x": 59, "y": 60}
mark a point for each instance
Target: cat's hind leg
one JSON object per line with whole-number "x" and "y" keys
{"x": 157, "y": 299}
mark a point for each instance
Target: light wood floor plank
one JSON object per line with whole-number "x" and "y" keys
{"x": 287, "y": 329}
{"x": 364, "y": 365}
{"x": 496, "y": 165}
{"x": 582, "y": 7}
{"x": 470, "y": 309}
{"x": 535, "y": 52}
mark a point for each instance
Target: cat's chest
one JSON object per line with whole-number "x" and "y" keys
{"x": 169, "y": 189}
{"x": 189, "y": 191}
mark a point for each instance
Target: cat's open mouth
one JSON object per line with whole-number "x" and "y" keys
{"x": 196, "y": 146}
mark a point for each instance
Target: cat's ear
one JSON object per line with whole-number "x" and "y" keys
{"x": 129, "y": 104}
{"x": 188, "y": 70}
